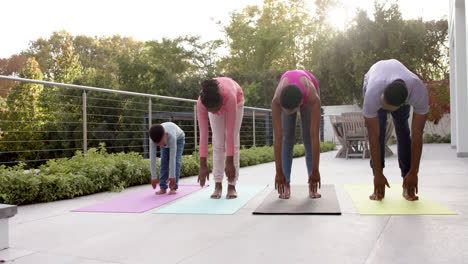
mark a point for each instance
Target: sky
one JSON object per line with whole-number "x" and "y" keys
{"x": 27, "y": 20}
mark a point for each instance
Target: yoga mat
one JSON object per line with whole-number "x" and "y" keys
{"x": 138, "y": 202}
{"x": 201, "y": 203}
{"x": 299, "y": 202}
{"x": 393, "y": 203}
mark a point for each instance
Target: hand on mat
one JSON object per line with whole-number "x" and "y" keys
{"x": 410, "y": 186}
{"x": 280, "y": 183}
{"x": 203, "y": 175}
{"x": 314, "y": 184}
{"x": 379, "y": 187}
{"x": 230, "y": 170}
{"x": 155, "y": 183}
{"x": 171, "y": 182}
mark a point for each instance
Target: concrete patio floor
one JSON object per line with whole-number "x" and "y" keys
{"x": 50, "y": 233}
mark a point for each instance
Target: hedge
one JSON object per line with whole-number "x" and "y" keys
{"x": 98, "y": 171}
{"x": 429, "y": 139}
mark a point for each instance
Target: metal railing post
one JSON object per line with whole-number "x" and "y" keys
{"x": 253, "y": 123}
{"x": 195, "y": 129}
{"x": 150, "y": 123}
{"x": 85, "y": 126}
{"x": 267, "y": 129}
{"x": 150, "y": 114}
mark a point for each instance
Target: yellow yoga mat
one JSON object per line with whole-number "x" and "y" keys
{"x": 393, "y": 203}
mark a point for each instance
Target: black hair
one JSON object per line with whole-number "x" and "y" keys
{"x": 156, "y": 132}
{"x": 291, "y": 96}
{"x": 396, "y": 93}
{"x": 209, "y": 93}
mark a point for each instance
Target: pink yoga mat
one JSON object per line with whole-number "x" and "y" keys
{"x": 138, "y": 202}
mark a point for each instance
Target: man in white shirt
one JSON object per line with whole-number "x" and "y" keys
{"x": 390, "y": 87}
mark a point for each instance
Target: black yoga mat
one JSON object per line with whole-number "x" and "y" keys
{"x": 299, "y": 202}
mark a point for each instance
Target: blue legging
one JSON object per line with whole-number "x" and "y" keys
{"x": 165, "y": 159}
{"x": 400, "y": 120}
{"x": 288, "y": 123}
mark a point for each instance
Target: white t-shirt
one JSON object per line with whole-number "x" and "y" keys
{"x": 384, "y": 72}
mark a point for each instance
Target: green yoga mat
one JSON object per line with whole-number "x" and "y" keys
{"x": 201, "y": 203}
{"x": 393, "y": 203}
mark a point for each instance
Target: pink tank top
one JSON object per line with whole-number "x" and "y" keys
{"x": 294, "y": 77}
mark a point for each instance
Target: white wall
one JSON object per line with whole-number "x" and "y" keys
{"x": 453, "y": 85}
{"x": 458, "y": 68}
{"x": 442, "y": 128}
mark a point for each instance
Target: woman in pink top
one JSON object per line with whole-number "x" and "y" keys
{"x": 221, "y": 101}
{"x": 297, "y": 90}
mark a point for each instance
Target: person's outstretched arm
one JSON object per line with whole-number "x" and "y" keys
{"x": 154, "y": 175}
{"x": 172, "y": 145}
{"x": 380, "y": 181}
{"x": 202, "y": 116}
{"x": 278, "y": 140}
{"x": 410, "y": 182}
{"x": 231, "y": 116}
{"x": 315, "y": 109}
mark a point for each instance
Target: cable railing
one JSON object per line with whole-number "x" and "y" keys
{"x": 46, "y": 120}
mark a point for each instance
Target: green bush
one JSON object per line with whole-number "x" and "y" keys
{"x": 62, "y": 186}
{"x": 327, "y": 146}
{"x": 428, "y": 139}
{"x": 18, "y": 186}
{"x": 98, "y": 171}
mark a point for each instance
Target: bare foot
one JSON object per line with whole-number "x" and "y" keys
{"x": 408, "y": 196}
{"x": 231, "y": 193}
{"x": 313, "y": 190}
{"x": 161, "y": 191}
{"x": 314, "y": 195}
{"x": 217, "y": 192}
{"x": 374, "y": 197}
{"x": 287, "y": 191}
{"x": 172, "y": 192}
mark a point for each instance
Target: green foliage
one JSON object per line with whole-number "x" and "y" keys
{"x": 342, "y": 64}
{"x": 429, "y": 139}
{"x": 263, "y": 41}
{"x": 95, "y": 171}
{"x": 23, "y": 108}
{"x": 327, "y": 146}
{"x": 250, "y": 91}
{"x": 106, "y": 171}
{"x": 61, "y": 185}
{"x": 18, "y": 186}
{"x": 270, "y": 37}
{"x": 98, "y": 171}
{"x": 281, "y": 35}
{"x": 10, "y": 66}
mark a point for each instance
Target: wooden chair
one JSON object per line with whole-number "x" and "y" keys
{"x": 337, "y": 126}
{"x": 355, "y": 135}
{"x": 356, "y": 140}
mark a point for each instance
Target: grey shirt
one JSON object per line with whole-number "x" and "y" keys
{"x": 384, "y": 72}
{"x": 174, "y": 133}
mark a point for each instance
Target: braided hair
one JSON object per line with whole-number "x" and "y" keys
{"x": 209, "y": 93}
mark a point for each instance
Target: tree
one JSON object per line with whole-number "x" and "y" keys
{"x": 266, "y": 38}
{"x": 99, "y": 58}
{"x": 266, "y": 41}
{"x": 347, "y": 56}
{"x": 23, "y": 118}
{"x": 11, "y": 66}
{"x": 435, "y": 65}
